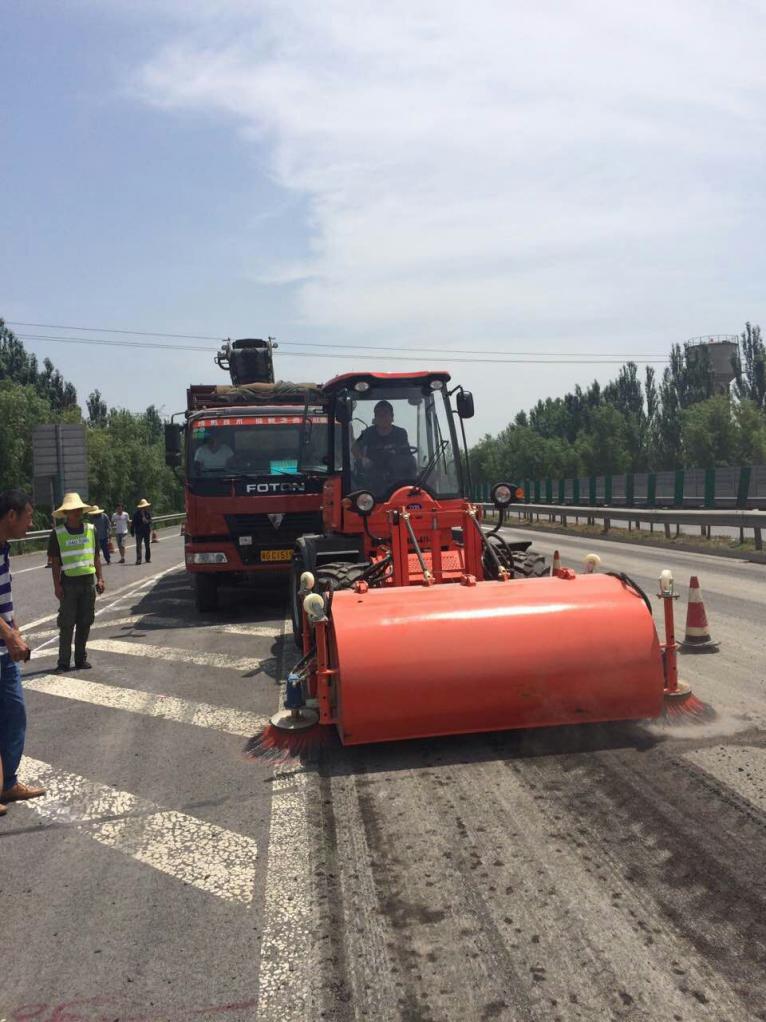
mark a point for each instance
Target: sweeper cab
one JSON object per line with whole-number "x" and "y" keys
{"x": 413, "y": 619}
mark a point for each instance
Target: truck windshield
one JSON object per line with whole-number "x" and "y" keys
{"x": 399, "y": 436}
{"x": 252, "y": 445}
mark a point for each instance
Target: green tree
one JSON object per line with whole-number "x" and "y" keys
{"x": 709, "y": 434}
{"x": 97, "y": 409}
{"x": 750, "y": 367}
{"x": 21, "y": 409}
{"x": 751, "y": 430}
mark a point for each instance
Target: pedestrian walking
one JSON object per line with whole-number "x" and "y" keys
{"x": 141, "y": 528}
{"x": 102, "y": 525}
{"x": 121, "y": 525}
{"x": 76, "y": 566}
{"x": 15, "y": 519}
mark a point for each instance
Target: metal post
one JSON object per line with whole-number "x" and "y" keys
{"x": 743, "y": 489}
{"x": 671, "y": 656}
{"x": 678, "y": 488}
{"x": 651, "y": 489}
{"x": 709, "y": 487}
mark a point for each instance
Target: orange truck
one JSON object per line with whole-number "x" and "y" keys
{"x": 246, "y": 502}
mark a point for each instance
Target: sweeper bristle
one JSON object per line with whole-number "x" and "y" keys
{"x": 688, "y": 710}
{"x": 277, "y": 745}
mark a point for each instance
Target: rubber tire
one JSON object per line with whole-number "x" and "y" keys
{"x": 205, "y": 592}
{"x": 530, "y": 565}
{"x": 339, "y": 575}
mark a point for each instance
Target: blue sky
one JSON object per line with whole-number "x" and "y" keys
{"x": 558, "y": 177}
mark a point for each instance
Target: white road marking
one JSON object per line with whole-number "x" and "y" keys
{"x": 136, "y": 585}
{"x": 149, "y": 619}
{"x": 179, "y": 656}
{"x": 740, "y": 767}
{"x": 151, "y": 704}
{"x": 210, "y": 858}
{"x": 22, "y": 571}
{"x": 286, "y": 966}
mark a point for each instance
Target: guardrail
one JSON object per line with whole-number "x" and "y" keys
{"x": 705, "y": 520}
{"x": 742, "y": 486}
{"x": 44, "y": 533}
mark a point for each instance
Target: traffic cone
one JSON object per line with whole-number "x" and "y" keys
{"x": 697, "y": 638}
{"x": 154, "y": 536}
{"x": 556, "y": 568}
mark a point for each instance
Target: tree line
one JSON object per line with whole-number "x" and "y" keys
{"x": 126, "y": 459}
{"x": 634, "y": 425}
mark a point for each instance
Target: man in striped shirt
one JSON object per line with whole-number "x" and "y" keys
{"x": 15, "y": 519}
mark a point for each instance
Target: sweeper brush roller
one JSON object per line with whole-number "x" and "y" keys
{"x": 440, "y": 660}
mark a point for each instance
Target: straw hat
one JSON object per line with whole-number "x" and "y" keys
{"x": 96, "y": 510}
{"x": 71, "y": 502}
{"x": 143, "y": 502}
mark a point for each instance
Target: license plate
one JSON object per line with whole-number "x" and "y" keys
{"x": 276, "y": 555}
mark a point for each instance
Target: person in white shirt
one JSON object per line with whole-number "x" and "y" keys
{"x": 120, "y": 520}
{"x": 213, "y": 455}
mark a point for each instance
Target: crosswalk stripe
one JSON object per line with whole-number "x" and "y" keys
{"x": 150, "y": 619}
{"x": 150, "y": 704}
{"x": 210, "y": 858}
{"x": 179, "y": 656}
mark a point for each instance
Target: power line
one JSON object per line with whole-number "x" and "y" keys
{"x": 442, "y": 354}
{"x": 577, "y": 355}
{"x": 111, "y": 330}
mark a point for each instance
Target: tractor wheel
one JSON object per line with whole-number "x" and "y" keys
{"x": 530, "y": 565}
{"x": 342, "y": 575}
{"x": 205, "y": 592}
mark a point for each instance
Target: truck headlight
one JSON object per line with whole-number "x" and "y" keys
{"x": 210, "y": 557}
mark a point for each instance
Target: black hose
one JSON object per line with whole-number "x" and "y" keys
{"x": 371, "y": 573}
{"x": 500, "y": 522}
{"x": 632, "y": 584}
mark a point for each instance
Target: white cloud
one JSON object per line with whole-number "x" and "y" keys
{"x": 510, "y": 171}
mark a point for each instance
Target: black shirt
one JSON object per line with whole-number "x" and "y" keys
{"x": 142, "y": 521}
{"x": 372, "y": 443}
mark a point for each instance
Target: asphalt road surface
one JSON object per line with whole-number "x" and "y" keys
{"x": 573, "y": 873}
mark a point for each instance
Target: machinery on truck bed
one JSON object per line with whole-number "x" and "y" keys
{"x": 246, "y": 501}
{"x": 415, "y": 621}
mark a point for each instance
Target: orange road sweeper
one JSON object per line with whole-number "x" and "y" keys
{"x": 413, "y": 619}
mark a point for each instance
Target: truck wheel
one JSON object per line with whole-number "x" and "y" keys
{"x": 530, "y": 565}
{"x": 205, "y": 592}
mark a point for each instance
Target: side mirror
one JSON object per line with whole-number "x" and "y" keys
{"x": 465, "y": 404}
{"x": 343, "y": 409}
{"x": 173, "y": 444}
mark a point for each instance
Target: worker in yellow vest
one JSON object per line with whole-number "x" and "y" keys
{"x": 76, "y": 563}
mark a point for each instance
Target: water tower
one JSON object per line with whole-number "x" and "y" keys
{"x": 721, "y": 349}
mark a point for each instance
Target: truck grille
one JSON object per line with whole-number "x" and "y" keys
{"x": 265, "y": 536}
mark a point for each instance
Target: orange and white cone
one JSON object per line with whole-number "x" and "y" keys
{"x": 556, "y": 567}
{"x": 697, "y": 638}
{"x": 154, "y": 536}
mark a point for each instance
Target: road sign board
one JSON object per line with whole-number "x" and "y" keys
{"x": 60, "y": 459}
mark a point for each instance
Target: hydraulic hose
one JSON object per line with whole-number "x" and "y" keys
{"x": 632, "y": 584}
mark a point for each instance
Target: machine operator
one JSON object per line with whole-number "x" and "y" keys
{"x": 383, "y": 449}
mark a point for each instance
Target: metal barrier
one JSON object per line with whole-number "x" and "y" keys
{"x": 741, "y": 487}
{"x": 705, "y": 519}
{"x": 44, "y": 533}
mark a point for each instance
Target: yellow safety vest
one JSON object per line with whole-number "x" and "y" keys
{"x": 78, "y": 550}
